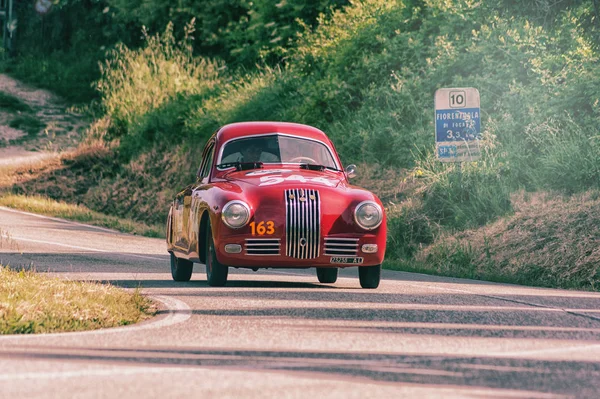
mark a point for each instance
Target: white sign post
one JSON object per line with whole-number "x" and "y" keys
{"x": 457, "y": 124}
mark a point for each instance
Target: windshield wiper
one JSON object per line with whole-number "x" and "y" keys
{"x": 321, "y": 168}
{"x": 241, "y": 165}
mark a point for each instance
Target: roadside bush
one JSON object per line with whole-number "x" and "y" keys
{"x": 146, "y": 92}
{"x": 409, "y": 230}
{"x": 466, "y": 195}
{"x": 569, "y": 158}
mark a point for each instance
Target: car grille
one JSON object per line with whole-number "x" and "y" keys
{"x": 303, "y": 223}
{"x": 341, "y": 246}
{"x": 263, "y": 246}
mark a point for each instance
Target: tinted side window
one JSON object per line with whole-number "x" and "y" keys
{"x": 207, "y": 163}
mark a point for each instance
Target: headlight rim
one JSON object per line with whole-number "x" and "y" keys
{"x": 234, "y": 202}
{"x": 376, "y": 205}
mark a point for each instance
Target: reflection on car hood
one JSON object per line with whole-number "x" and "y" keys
{"x": 286, "y": 177}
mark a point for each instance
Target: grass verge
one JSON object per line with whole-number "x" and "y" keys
{"x": 33, "y": 303}
{"x": 79, "y": 213}
{"x": 550, "y": 241}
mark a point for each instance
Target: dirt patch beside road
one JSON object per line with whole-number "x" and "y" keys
{"x": 36, "y": 129}
{"x": 35, "y": 124}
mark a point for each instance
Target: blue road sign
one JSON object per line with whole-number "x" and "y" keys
{"x": 457, "y": 124}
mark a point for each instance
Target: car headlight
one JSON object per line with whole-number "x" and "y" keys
{"x": 368, "y": 215}
{"x": 235, "y": 214}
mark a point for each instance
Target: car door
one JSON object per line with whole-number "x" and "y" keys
{"x": 181, "y": 210}
{"x": 198, "y": 201}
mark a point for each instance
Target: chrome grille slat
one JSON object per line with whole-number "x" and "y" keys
{"x": 263, "y": 246}
{"x": 303, "y": 223}
{"x": 336, "y": 246}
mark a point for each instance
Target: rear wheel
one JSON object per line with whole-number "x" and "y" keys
{"x": 369, "y": 276}
{"x": 181, "y": 269}
{"x": 216, "y": 273}
{"x": 327, "y": 275}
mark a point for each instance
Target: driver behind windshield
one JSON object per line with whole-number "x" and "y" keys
{"x": 251, "y": 151}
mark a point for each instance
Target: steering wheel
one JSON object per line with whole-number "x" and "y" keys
{"x": 300, "y": 158}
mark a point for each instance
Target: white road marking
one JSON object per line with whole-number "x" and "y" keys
{"x": 120, "y": 371}
{"x": 3, "y": 208}
{"x": 548, "y": 351}
{"x": 58, "y": 244}
{"x": 179, "y": 312}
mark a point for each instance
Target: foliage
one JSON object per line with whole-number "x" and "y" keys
{"x": 12, "y": 103}
{"x": 365, "y": 72}
{"x": 29, "y": 124}
{"x": 141, "y": 89}
{"x": 550, "y": 241}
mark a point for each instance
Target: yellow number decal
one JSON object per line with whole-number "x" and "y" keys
{"x": 270, "y": 227}
{"x": 260, "y": 228}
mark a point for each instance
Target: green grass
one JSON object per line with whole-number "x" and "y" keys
{"x": 79, "y": 213}
{"x": 29, "y": 124}
{"x": 32, "y": 303}
{"x": 12, "y": 103}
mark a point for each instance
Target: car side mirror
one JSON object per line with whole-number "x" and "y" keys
{"x": 351, "y": 171}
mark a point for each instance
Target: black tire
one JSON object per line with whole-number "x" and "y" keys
{"x": 216, "y": 273}
{"x": 181, "y": 269}
{"x": 327, "y": 275}
{"x": 369, "y": 276}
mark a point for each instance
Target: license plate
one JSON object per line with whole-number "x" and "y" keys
{"x": 343, "y": 260}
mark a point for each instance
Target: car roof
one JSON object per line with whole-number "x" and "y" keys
{"x": 242, "y": 129}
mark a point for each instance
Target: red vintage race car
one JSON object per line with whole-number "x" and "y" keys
{"x": 275, "y": 195}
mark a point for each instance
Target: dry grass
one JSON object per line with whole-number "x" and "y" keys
{"x": 80, "y": 213}
{"x": 36, "y": 303}
{"x": 27, "y": 167}
{"x": 549, "y": 241}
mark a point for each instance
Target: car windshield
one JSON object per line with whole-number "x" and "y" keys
{"x": 277, "y": 149}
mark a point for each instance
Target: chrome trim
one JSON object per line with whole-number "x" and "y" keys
{"x": 303, "y": 223}
{"x": 341, "y": 246}
{"x": 380, "y": 215}
{"x": 337, "y": 165}
{"x": 232, "y": 203}
{"x": 262, "y": 246}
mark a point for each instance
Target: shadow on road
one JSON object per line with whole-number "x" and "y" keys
{"x": 537, "y": 377}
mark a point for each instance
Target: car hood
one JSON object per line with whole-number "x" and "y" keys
{"x": 286, "y": 178}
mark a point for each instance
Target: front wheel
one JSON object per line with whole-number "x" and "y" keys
{"x": 327, "y": 275}
{"x": 181, "y": 269}
{"x": 369, "y": 276}
{"x": 216, "y": 273}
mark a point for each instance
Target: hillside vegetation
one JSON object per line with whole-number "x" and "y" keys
{"x": 365, "y": 72}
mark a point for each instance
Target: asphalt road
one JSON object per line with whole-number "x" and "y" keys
{"x": 282, "y": 334}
